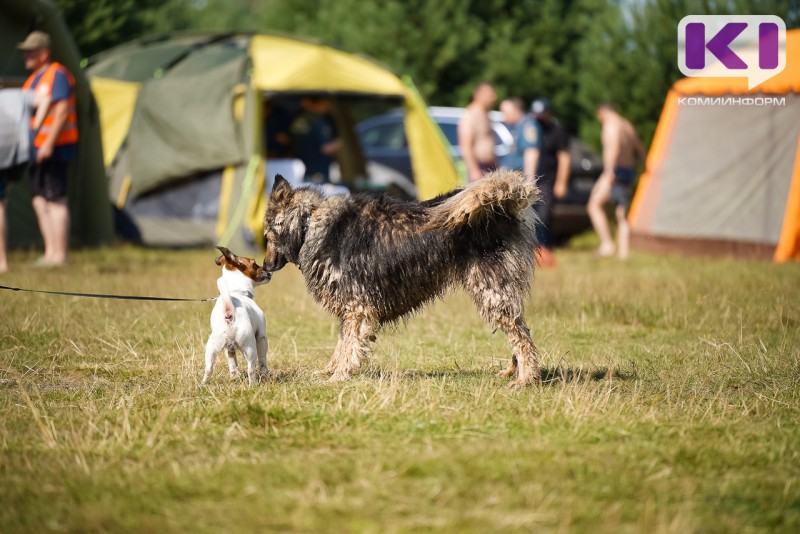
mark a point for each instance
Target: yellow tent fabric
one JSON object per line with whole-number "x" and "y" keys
{"x": 279, "y": 64}
{"x": 116, "y": 101}
{"x": 284, "y": 64}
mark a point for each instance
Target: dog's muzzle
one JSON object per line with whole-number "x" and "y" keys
{"x": 276, "y": 265}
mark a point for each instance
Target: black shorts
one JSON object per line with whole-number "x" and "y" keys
{"x": 621, "y": 189}
{"x": 49, "y": 179}
{"x": 10, "y": 175}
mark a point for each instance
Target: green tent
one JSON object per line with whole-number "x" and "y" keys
{"x": 183, "y": 119}
{"x": 90, "y": 211}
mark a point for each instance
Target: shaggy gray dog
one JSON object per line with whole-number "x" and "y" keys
{"x": 370, "y": 259}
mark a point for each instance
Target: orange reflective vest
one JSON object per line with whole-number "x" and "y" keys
{"x": 69, "y": 133}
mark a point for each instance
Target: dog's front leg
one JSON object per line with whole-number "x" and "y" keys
{"x": 333, "y": 362}
{"x": 511, "y": 370}
{"x": 213, "y": 346}
{"x": 262, "y": 345}
{"x": 354, "y": 349}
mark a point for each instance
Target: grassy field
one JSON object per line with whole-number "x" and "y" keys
{"x": 670, "y": 404}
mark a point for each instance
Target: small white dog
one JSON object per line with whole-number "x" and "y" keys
{"x": 236, "y": 320}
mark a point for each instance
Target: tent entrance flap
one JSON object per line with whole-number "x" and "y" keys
{"x": 176, "y": 131}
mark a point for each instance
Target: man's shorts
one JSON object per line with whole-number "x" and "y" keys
{"x": 49, "y": 179}
{"x": 487, "y": 167}
{"x": 3, "y": 184}
{"x": 621, "y": 189}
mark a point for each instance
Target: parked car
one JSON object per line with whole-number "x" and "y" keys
{"x": 383, "y": 141}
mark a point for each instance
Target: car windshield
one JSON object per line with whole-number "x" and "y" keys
{"x": 450, "y": 132}
{"x": 386, "y": 135}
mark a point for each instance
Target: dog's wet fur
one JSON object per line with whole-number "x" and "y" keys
{"x": 369, "y": 259}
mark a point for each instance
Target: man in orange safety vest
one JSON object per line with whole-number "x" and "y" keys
{"x": 54, "y": 129}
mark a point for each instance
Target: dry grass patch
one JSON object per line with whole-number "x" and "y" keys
{"x": 670, "y": 403}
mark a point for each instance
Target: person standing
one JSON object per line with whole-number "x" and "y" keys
{"x": 475, "y": 134}
{"x": 524, "y": 152}
{"x": 15, "y": 119}
{"x": 55, "y": 138}
{"x": 3, "y": 185}
{"x": 315, "y": 138}
{"x": 621, "y": 147}
{"x": 553, "y": 172}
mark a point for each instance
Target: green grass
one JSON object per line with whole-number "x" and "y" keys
{"x": 671, "y": 405}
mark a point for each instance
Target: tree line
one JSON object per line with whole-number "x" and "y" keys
{"x": 578, "y": 53}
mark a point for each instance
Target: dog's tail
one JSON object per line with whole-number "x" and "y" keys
{"x": 504, "y": 191}
{"x": 227, "y": 303}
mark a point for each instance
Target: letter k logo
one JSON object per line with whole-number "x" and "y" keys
{"x": 738, "y": 46}
{"x": 719, "y": 45}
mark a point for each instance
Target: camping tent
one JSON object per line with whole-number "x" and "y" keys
{"x": 182, "y": 128}
{"x": 88, "y": 191}
{"x": 723, "y": 171}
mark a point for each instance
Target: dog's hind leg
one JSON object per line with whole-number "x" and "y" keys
{"x": 213, "y": 346}
{"x": 525, "y": 355}
{"x": 499, "y": 301}
{"x": 233, "y": 365}
{"x": 250, "y": 352}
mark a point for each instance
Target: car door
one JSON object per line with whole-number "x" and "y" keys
{"x": 385, "y": 142}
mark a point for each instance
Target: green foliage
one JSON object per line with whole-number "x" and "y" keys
{"x": 100, "y": 24}
{"x": 576, "y": 52}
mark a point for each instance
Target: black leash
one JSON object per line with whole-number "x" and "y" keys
{"x": 104, "y": 296}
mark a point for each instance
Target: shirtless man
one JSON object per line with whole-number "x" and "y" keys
{"x": 475, "y": 134}
{"x": 621, "y": 146}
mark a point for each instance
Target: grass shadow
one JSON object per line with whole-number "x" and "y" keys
{"x": 552, "y": 375}
{"x": 549, "y": 375}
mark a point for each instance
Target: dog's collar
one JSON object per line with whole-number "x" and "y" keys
{"x": 244, "y": 292}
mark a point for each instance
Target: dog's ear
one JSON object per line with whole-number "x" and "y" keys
{"x": 229, "y": 256}
{"x": 281, "y": 191}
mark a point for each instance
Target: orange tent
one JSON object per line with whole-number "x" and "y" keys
{"x": 723, "y": 171}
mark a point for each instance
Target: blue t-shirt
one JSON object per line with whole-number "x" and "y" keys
{"x": 525, "y": 134}
{"x": 61, "y": 91}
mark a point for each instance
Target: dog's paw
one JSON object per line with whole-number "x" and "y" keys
{"x": 262, "y": 375}
{"x": 339, "y": 376}
{"x": 519, "y": 384}
{"x": 237, "y": 375}
{"x": 516, "y": 385}
{"x": 507, "y": 373}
